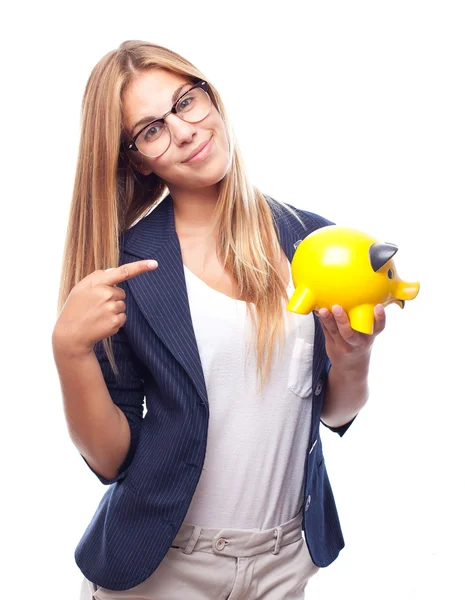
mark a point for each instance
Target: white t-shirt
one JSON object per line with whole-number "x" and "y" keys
{"x": 253, "y": 475}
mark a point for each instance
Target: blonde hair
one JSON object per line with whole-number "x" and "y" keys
{"x": 109, "y": 196}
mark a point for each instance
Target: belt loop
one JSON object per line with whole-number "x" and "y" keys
{"x": 278, "y": 533}
{"x": 192, "y": 540}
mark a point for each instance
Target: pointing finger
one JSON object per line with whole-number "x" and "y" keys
{"x": 115, "y": 275}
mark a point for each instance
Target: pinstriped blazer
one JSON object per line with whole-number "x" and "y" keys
{"x": 158, "y": 359}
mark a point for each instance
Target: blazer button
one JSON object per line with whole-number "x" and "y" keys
{"x": 307, "y": 504}
{"x": 318, "y": 388}
{"x": 220, "y": 544}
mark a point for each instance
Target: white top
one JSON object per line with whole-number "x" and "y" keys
{"x": 253, "y": 475}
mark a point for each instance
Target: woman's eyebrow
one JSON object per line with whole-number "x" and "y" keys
{"x": 152, "y": 118}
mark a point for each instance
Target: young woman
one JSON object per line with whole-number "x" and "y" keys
{"x": 210, "y": 488}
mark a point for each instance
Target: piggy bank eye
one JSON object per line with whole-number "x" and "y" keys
{"x": 390, "y": 273}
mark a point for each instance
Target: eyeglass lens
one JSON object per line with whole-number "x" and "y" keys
{"x": 155, "y": 139}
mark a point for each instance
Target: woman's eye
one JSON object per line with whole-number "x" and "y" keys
{"x": 151, "y": 131}
{"x": 182, "y": 106}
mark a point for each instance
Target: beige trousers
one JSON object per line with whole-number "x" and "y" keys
{"x": 225, "y": 564}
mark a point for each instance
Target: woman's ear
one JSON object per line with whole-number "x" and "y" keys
{"x": 136, "y": 159}
{"x": 144, "y": 169}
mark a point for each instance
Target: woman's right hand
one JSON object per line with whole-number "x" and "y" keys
{"x": 94, "y": 309}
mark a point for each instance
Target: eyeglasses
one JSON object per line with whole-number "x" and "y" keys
{"x": 192, "y": 106}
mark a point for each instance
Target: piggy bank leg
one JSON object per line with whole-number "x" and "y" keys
{"x": 362, "y": 318}
{"x": 302, "y": 301}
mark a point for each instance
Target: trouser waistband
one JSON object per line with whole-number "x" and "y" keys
{"x": 238, "y": 542}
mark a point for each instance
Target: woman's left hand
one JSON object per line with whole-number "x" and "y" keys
{"x": 347, "y": 348}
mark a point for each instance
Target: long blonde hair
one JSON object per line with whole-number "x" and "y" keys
{"x": 109, "y": 196}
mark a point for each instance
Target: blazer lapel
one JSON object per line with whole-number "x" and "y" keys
{"x": 161, "y": 294}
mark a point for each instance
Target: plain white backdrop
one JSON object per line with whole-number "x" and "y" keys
{"x": 353, "y": 110}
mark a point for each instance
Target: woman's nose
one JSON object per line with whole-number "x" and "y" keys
{"x": 180, "y": 130}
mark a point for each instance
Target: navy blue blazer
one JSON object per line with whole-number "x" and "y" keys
{"x": 156, "y": 352}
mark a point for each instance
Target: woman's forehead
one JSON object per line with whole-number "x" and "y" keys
{"x": 151, "y": 93}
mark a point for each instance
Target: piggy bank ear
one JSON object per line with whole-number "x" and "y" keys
{"x": 380, "y": 253}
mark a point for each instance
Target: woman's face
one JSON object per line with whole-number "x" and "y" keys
{"x": 150, "y": 93}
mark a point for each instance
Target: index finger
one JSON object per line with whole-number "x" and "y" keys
{"x": 115, "y": 275}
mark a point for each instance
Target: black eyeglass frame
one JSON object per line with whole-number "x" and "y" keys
{"x": 202, "y": 84}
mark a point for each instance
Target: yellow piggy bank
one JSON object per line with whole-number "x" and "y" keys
{"x": 341, "y": 265}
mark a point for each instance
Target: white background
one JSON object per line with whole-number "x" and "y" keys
{"x": 351, "y": 109}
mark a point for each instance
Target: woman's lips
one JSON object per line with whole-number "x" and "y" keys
{"x": 202, "y": 154}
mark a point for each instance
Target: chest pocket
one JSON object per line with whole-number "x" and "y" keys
{"x": 300, "y": 369}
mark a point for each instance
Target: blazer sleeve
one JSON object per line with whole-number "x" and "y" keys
{"x": 313, "y": 221}
{"x": 342, "y": 428}
{"x": 126, "y": 391}
{"x": 316, "y": 221}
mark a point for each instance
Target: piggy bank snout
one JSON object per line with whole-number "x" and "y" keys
{"x": 406, "y": 290}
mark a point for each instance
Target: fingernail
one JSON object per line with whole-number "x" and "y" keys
{"x": 379, "y": 309}
{"x": 337, "y": 310}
